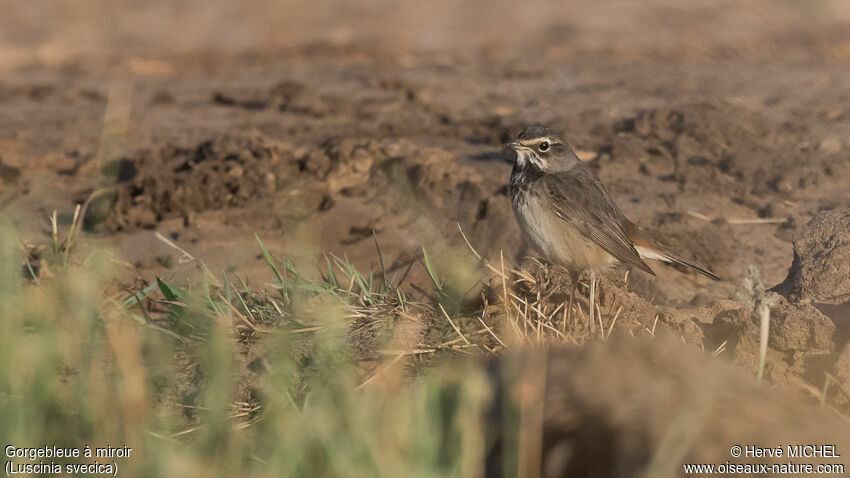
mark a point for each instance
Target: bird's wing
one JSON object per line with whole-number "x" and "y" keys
{"x": 580, "y": 199}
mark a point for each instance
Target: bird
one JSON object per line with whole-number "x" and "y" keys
{"x": 566, "y": 213}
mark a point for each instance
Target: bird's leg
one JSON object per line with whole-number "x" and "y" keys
{"x": 592, "y": 300}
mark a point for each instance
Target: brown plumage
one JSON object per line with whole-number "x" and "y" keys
{"x": 567, "y": 214}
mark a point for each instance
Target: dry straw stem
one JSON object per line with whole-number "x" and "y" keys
{"x": 185, "y": 257}
{"x": 740, "y": 221}
{"x": 57, "y": 246}
{"x": 614, "y": 320}
{"x": 759, "y": 301}
{"x": 490, "y": 331}
{"x": 454, "y": 326}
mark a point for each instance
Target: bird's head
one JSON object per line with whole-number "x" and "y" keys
{"x": 540, "y": 147}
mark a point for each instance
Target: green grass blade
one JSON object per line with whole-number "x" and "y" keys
{"x": 227, "y": 294}
{"x": 171, "y": 293}
{"x": 432, "y": 272}
{"x": 331, "y": 273}
{"x": 138, "y": 297}
{"x": 270, "y": 261}
{"x": 384, "y": 282}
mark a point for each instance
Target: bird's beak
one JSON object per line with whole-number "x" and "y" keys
{"x": 517, "y": 147}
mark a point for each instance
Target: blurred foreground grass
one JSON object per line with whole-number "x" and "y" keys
{"x": 214, "y": 379}
{"x": 340, "y": 372}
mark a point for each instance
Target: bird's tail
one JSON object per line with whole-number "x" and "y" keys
{"x": 649, "y": 248}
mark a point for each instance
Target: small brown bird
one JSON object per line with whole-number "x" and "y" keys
{"x": 566, "y": 213}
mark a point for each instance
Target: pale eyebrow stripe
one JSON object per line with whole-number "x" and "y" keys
{"x": 540, "y": 140}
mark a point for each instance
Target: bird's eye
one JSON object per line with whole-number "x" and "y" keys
{"x": 544, "y": 146}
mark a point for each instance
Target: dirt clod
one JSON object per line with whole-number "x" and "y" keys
{"x": 176, "y": 181}
{"x": 821, "y": 268}
{"x": 800, "y": 327}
